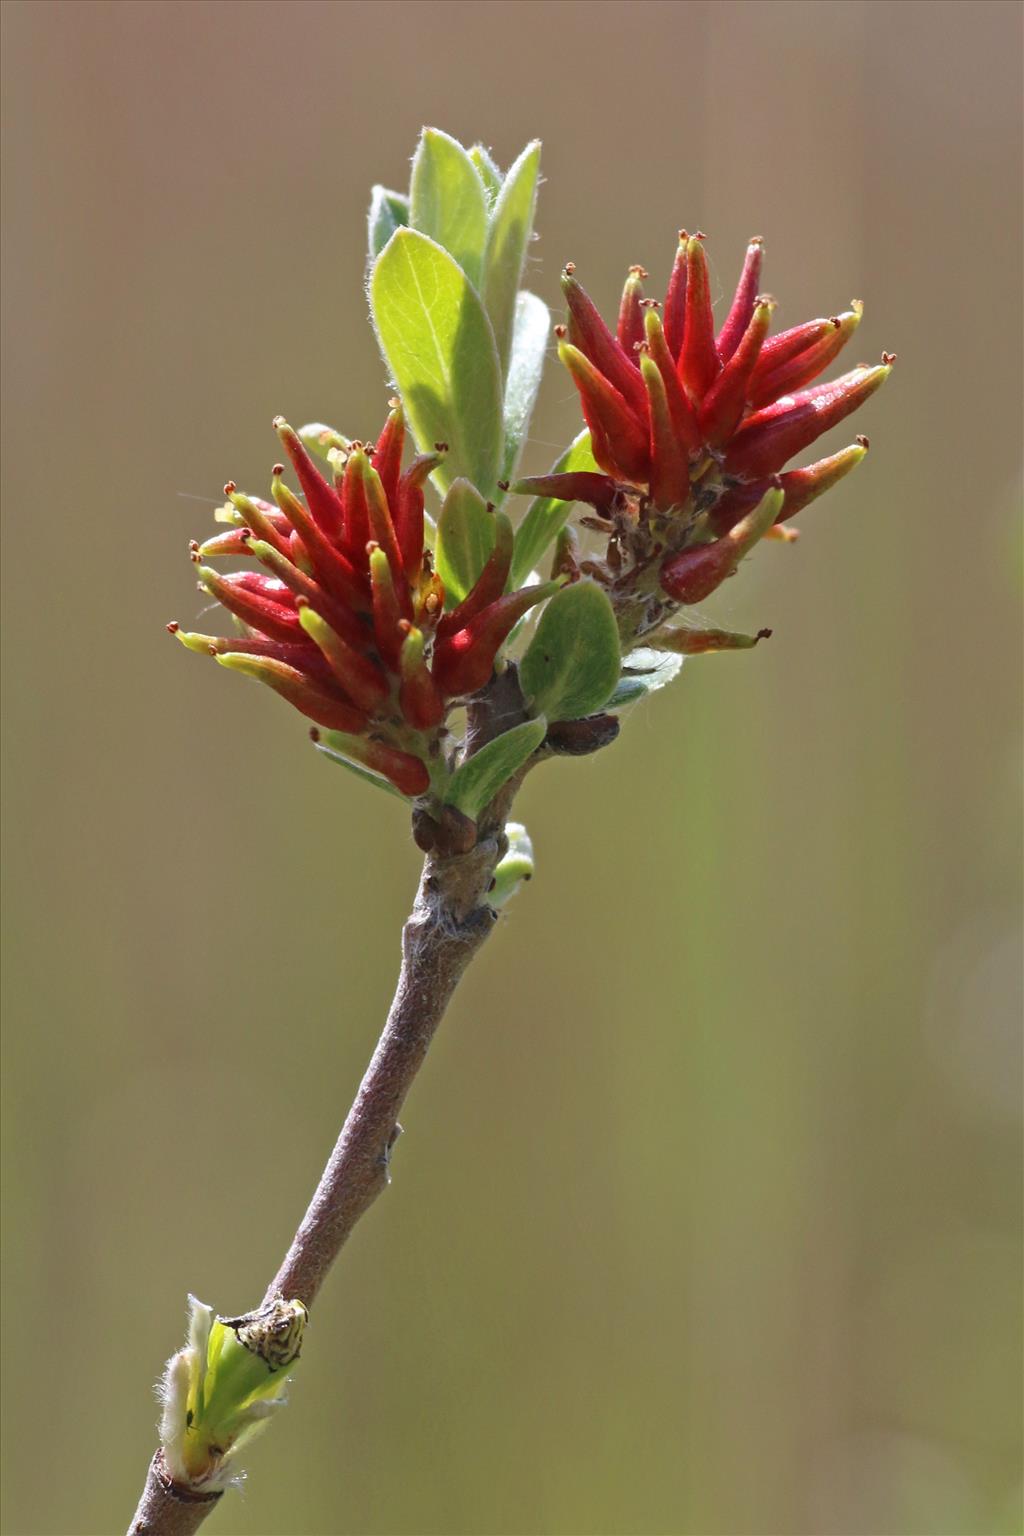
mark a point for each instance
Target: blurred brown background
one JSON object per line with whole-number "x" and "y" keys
{"x": 707, "y": 1217}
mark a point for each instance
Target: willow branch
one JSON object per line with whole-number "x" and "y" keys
{"x": 446, "y": 928}
{"x": 448, "y": 924}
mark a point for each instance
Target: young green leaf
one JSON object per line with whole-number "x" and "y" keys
{"x": 475, "y": 782}
{"x": 465, "y": 538}
{"x": 514, "y": 868}
{"x": 545, "y": 516}
{"x": 388, "y": 211}
{"x": 508, "y": 236}
{"x": 439, "y": 346}
{"x": 448, "y": 202}
{"x": 487, "y": 171}
{"x": 529, "y": 344}
{"x": 573, "y": 662}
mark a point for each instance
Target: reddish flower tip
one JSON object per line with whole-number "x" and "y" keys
{"x": 173, "y": 627}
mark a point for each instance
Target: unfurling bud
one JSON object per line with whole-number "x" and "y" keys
{"x": 219, "y": 1390}
{"x": 514, "y": 867}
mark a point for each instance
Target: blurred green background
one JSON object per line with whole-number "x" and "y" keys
{"x": 707, "y": 1218}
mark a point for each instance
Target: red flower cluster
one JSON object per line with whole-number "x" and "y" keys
{"x": 702, "y": 424}
{"x": 347, "y": 620}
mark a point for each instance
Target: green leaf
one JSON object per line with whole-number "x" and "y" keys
{"x": 545, "y": 516}
{"x": 644, "y": 671}
{"x": 487, "y": 171}
{"x": 508, "y": 235}
{"x": 388, "y": 211}
{"x": 448, "y": 202}
{"x": 465, "y": 538}
{"x": 573, "y": 662}
{"x": 439, "y": 345}
{"x": 475, "y": 782}
{"x": 529, "y": 345}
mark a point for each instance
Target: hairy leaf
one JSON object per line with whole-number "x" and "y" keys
{"x": 487, "y": 171}
{"x": 529, "y": 344}
{"x": 508, "y": 235}
{"x": 465, "y": 538}
{"x": 448, "y": 202}
{"x": 476, "y": 781}
{"x": 573, "y": 662}
{"x": 439, "y": 345}
{"x": 388, "y": 211}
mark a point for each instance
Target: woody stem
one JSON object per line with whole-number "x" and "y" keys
{"x": 449, "y": 922}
